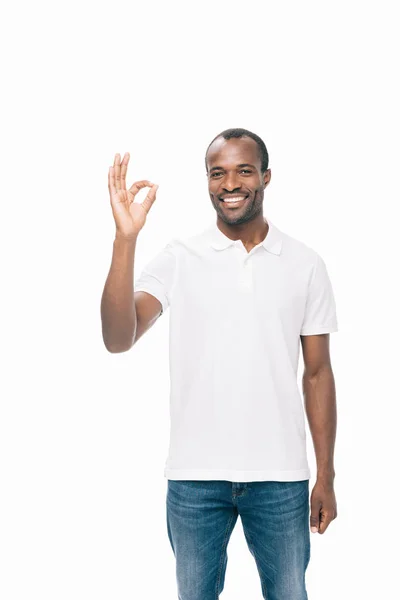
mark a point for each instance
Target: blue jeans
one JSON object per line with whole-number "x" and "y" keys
{"x": 201, "y": 516}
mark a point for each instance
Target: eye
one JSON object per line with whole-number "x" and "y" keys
{"x": 245, "y": 171}
{"x": 215, "y": 174}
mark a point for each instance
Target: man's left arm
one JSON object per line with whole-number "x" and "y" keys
{"x": 320, "y": 406}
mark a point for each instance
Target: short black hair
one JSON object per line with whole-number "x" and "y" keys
{"x": 239, "y": 133}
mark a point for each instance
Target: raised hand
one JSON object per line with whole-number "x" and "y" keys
{"x": 130, "y": 216}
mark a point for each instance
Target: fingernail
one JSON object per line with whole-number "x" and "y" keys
{"x": 314, "y": 529}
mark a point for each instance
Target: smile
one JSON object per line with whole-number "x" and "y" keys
{"x": 234, "y": 200}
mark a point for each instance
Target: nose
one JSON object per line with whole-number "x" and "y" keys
{"x": 230, "y": 183}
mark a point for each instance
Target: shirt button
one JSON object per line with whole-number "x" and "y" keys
{"x": 246, "y": 278}
{"x": 247, "y": 268}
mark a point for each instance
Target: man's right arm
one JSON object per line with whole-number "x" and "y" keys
{"x": 125, "y": 314}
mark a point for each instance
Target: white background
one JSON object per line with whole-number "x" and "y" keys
{"x": 84, "y": 433}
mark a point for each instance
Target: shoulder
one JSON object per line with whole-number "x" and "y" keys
{"x": 305, "y": 261}
{"x": 298, "y": 251}
{"x": 196, "y": 243}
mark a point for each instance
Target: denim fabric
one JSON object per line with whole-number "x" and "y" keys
{"x": 201, "y": 516}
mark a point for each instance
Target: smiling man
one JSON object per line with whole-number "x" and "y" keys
{"x": 244, "y": 297}
{"x": 236, "y": 188}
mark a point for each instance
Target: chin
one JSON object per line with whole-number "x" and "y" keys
{"x": 239, "y": 220}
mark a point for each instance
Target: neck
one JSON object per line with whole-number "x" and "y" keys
{"x": 252, "y": 232}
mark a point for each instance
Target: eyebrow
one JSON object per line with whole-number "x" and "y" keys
{"x": 241, "y": 165}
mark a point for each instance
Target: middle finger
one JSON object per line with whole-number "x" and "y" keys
{"x": 117, "y": 171}
{"x": 124, "y": 168}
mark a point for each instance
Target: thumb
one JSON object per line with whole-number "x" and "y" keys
{"x": 314, "y": 516}
{"x": 151, "y": 196}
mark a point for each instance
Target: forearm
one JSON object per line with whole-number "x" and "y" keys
{"x": 320, "y": 405}
{"x": 118, "y": 314}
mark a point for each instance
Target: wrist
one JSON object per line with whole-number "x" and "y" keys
{"x": 120, "y": 238}
{"x": 326, "y": 475}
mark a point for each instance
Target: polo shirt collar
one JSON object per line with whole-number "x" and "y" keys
{"x": 272, "y": 241}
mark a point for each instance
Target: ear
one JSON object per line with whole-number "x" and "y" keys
{"x": 267, "y": 177}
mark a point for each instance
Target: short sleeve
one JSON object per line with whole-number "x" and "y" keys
{"x": 320, "y": 312}
{"x": 157, "y": 276}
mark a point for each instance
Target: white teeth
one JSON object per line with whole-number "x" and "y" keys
{"x": 234, "y": 199}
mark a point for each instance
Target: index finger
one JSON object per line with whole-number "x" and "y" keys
{"x": 138, "y": 185}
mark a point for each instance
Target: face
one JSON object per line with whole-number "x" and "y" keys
{"x": 234, "y": 172}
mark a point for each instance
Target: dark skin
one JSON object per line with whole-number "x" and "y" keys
{"x": 320, "y": 405}
{"x": 226, "y": 177}
{"x": 234, "y": 168}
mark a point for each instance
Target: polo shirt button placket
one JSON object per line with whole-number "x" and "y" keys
{"x": 246, "y": 279}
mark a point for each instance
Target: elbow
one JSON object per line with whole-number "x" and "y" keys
{"x": 117, "y": 342}
{"x": 118, "y": 347}
{"x": 315, "y": 372}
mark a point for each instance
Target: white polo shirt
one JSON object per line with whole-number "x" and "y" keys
{"x": 236, "y": 318}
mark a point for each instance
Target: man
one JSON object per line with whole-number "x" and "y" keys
{"x": 243, "y": 296}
